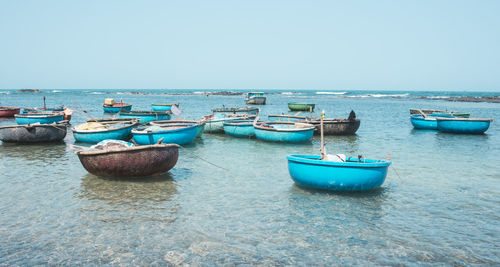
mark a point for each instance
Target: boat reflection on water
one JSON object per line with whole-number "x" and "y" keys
{"x": 38, "y": 152}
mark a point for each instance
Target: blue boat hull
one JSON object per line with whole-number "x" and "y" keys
{"x": 288, "y": 137}
{"x": 310, "y": 171}
{"x": 38, "y": 119}
{"x": 421, "y": 123}
{"x": 179, "y": 136}
{"x": 98, "y": 136}
{"x": 245, "y": 130}
{"x": 463, "y": 126}
{"x": 117, "y": 109}
{"x": 147, "y": 118}
{"x": 163, "y": 107}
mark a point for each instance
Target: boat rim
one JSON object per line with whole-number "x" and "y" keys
{"x": 62, "y": 126}
{"x": 173, "y": 104}
{"x": 136, "y": 131}
{"x": 120, "y": 106}
{"x": 161, "y": 122}
{"x": 132, "y": 124}
{"x": 127, "y": 149}
{"x": 9, "y": 108}
{"x": 287, "y": 116}
{"x": 145, "y": 113}
{"x": 316, "y": 160}
{"x": 239, "y": 123}
{"x": 36, "y": 115}
{"x": 309, "y": 126}
{"x": 463, "y": 119}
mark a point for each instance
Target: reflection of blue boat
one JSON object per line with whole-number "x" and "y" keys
{"x": 147, "y": 116}
{"x": 199, "y": 128}
{"x": 163, "y": 107}
{"x": 463, "y": 125}
{"x": 284, "y": 131}
{"x": 351, "y": 175}
{"x": 240, "y": 128}
{"x": 176, "y": 133}
{"x": 285, "y": 118}
{"x": 95, "y": 132}
{"x": 42, "y": 118}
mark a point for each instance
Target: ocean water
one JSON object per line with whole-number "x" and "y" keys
{"x": 231, "y": 201}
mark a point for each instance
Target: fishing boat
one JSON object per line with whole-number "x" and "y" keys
{"x": 128, "y": 160}
{"x": 236, "y": 111}
{"x": 42, "y": 118}
{"x": 426, "y": 121}
{"x": 97, "y": 131}
{"x": 255, "y": 98}
{"x": 67, "y": 113}
{"x": 199, "y": 128}
{"x": 301, "y": 107}
{"x": 147, "y": 116}
{"x": 339, "y": 126}
{"x": 285, "y": 117}
{"x": 33, "y": 133}
{"x": 9, "y": 112}
{"x": 425, "y": 110}
{"x": 337, "y": 172}
{"x": 110, "y": 106}
{"x": 438, "y": 112}
{"x": 163, "y": 107}
{"x": 239, "y": 128}
{"x": 215, "y": 122}
{"x": 282, "y": 131}
{"x": 176, "y": 133}
{"x": 463, "y": 125}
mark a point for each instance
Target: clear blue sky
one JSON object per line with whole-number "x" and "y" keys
{"x": 337, "y": 45}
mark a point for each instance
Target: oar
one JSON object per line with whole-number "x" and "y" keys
{"x": 423, "y": 114}
{"x": 323, "y": 153}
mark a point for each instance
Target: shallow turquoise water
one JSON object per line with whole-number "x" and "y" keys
{"x": 441, "y": 207}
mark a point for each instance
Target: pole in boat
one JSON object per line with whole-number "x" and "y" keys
{"x": 44, "y": 107}
{"x": 311, "y": 112}
{"x": 323, "y": 153}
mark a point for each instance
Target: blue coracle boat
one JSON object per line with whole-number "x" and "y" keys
{"x": 352, "y": 175}
{"x": 289, "y": 132}
{"x": 199, "y": 129}
{"x": 427, "y": 122}
{"x": 147, "y": 116}
{"x": 95, "y": 132}
{"x": 117, "y": 107}
{"x": 42, "y": 118}
{"x": 175, "y": 133}
{"x": 463, "y": 125}
{"x": 163, "y": 107}
{"x": 240, "y": 128}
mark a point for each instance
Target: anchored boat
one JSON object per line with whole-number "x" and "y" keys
{"x": 336, "y": 126}
{"x": 163, "y": 107}
{"x": 255, "y": 98}
{"x": 281, "y": 131}
{"x": 463, "y": 125}
{"x": 236, "y": 111}
{"x": 42, "y": 118}
{"x": 99, "y": 130}
{"x": 239, "y": 128}
{"x": 33, "y": 133}
{"x": 301, "y": 107}
{"x": 112, "y": 160}
{"x": 147, "y": 116}
{"x": 8, "y": 112}
{"x": 215, "y": 122}
{"x": 110, "y": 106}
{"x": 199, "y": 129}
{"x": 177, "y": 133}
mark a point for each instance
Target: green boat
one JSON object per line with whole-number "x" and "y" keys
{"x": 301, "y": 107}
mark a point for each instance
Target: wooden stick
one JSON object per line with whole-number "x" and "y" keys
{"x": 322, "y": 139}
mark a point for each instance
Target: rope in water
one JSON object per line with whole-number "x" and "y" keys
{"x": 397, "y": 174}
{"x": 196, "y": 156}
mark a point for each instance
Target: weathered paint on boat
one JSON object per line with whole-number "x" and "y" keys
{"x": 301, "y": 106}
{"x": 274, "y": 117}
{"x": 122, "y": 132}
{"x": 240, "y": 128}
{"x": 336, "y": 126}
{"x": 9, "y": 112}
{"x": 463, "y": 125}
{"x": 117, "y": 107}
{"x": 130, "y": 162}
{"x": 42, "y": 118}
{"x": 289, "y": 132}
{"x": 34, "y": 133}
{"x": 237, "y": 110}
{"x": 310, "y": 171}
{"x": 199, "y": 129}
{"x": 163, "y": 107}
{"x": 175, "y": 133}
{"x": 147, "y": 116}
{"x": 255, "y": 98}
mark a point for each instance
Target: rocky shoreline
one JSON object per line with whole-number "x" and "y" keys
{"x": 488, "y": 99}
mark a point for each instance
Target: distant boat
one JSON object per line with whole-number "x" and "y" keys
{"x": 147, "y": 116}
{"x": 175, "y": 133}
{"x": 199, "y": 128}
{"x": 426, "y": 111}
{"x": 285, "y": 117}
{"x": 34, "y": 133}
{"x": 42, "y": 118}
{"x": 255, "y": 98}
{"x": 281, "y": 131}
{"x": 95, "y": 132}
{"x": 215, "y": 122}
{"x": 239, "y": 128}
{"x": 301, "y": 107}
{"x": 463, "y": 125}
{"x": 8, "y": 112}
{"x": 126, "y": 161}
{"x": 438, "y": 112}
{"x": 110, "y": 106}
{"x": 163, "y": 107}
{"x": 237, "y": 110}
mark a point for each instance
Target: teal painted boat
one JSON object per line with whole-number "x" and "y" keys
{"x": 95, "y": 132}
{"x": 255, "y": 98}
{"x": 237, "y": 111}
{"x": 281, "y": 131}
{"x": 301, "y": 107}
{"x": 215, "y": 122}
{"x": 163, "y": 107}
{"x": 117, "y": 107}
{"x": 284, "y": 117}
{"x": 239, "y": 128}
{"x": 199, "y": 129}
{"x": 463, "y": 125}
{"x": 42, "y": 118}
{"x": 147, "y": 116}
{"x": 172, "y": 133}
{"x": 427, "y": 122}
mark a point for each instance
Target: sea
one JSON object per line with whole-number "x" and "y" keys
{"x": 231, "y": 201}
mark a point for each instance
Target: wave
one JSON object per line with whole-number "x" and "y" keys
{"x": 97, "y": 93}
{"x": 331, "y": 93}
{"x": 378, "y": 95}
{"x": 5, "y": 93}
{"x": 56, "y": 91}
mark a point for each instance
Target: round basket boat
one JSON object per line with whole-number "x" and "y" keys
{"x": 130, "y": 162}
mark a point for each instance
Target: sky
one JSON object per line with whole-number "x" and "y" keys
{"x": 331, "y": 45}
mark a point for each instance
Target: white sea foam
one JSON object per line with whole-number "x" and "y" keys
{"x": 56, "y": 91}
{"x": 331, "y": 93}
{"x": 378, "y": 95}
{"x": 97, "y": 93}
